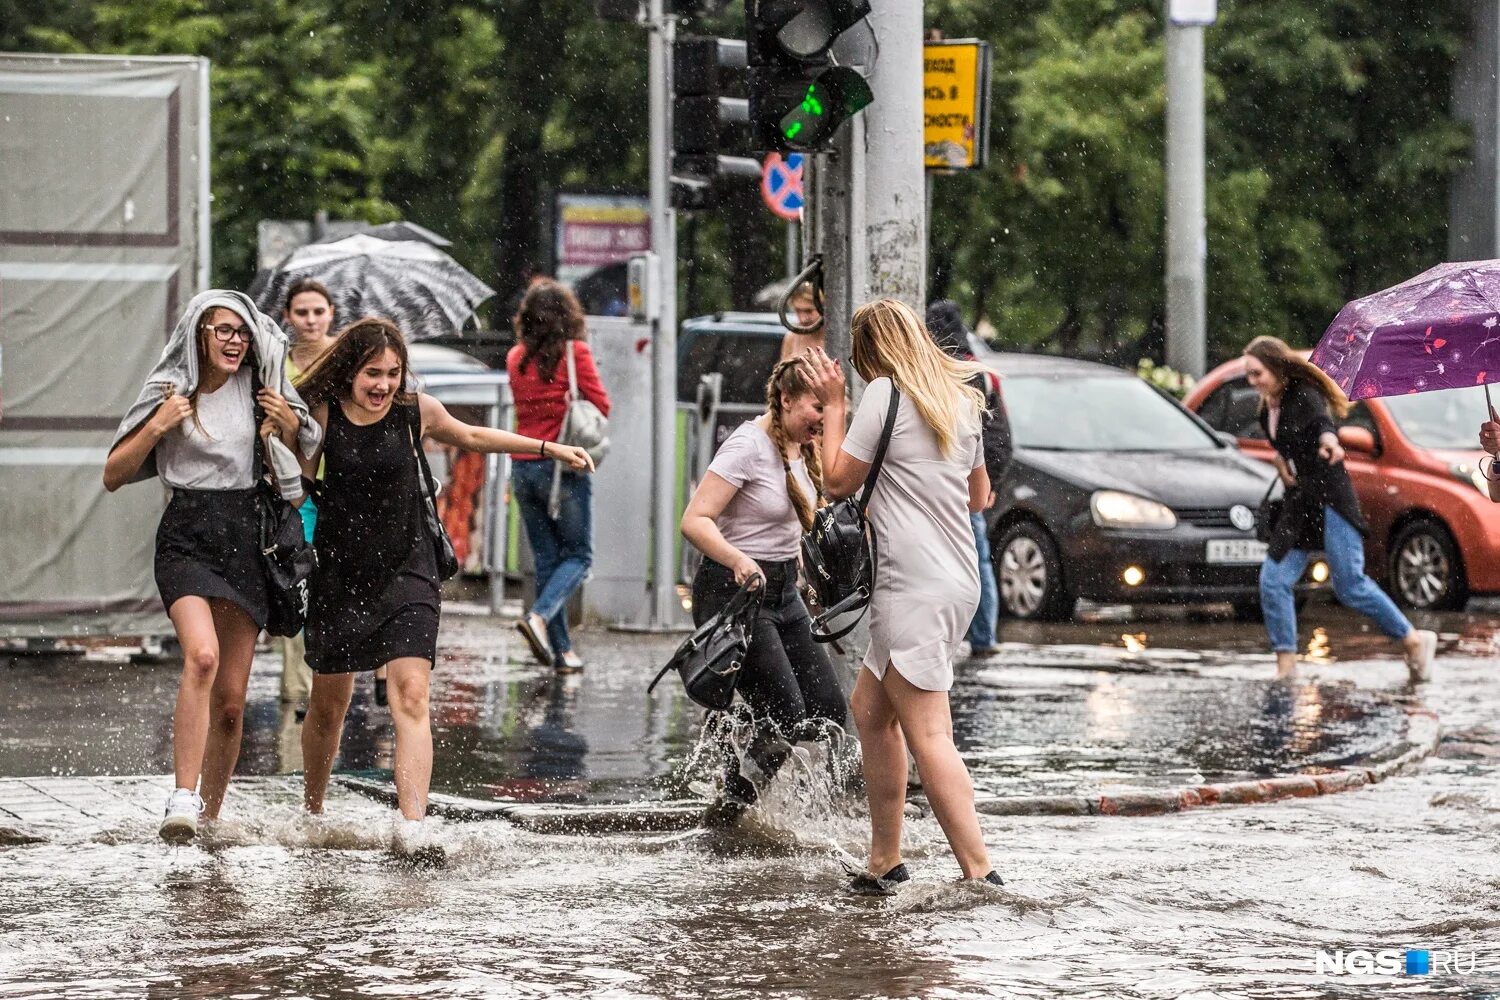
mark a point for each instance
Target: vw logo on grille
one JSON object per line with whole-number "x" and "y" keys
{"x": 1242, "y": 517}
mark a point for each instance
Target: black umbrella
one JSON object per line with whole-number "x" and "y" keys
{"x": 414, "y": 285}
{"x": 397, "y": 232}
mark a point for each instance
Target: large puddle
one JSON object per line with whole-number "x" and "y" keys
{"x": 1222, "y": 902}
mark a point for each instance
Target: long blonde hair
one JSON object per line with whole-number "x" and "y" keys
{"x": 890, "y": 340}
{"x": 793, "y": 378}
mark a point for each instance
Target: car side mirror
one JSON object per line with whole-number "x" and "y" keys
{"x": 1357, "y": 439}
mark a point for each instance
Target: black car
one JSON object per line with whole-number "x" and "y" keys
{"x": 1118, "y": 494}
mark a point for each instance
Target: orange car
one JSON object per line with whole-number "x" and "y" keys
{"x": 1435, "y": 534}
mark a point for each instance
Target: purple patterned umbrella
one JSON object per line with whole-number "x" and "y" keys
{"x": 1439, "y": 330}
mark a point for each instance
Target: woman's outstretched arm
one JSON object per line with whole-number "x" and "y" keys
{"x": 445, "y": 428}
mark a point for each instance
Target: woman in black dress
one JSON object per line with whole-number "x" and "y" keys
{"x": 375, "y": 593}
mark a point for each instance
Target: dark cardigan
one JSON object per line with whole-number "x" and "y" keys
{"x": 1305, "y": 418}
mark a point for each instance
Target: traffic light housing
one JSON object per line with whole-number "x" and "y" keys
{"x": 798, "y": 97}
{"x": 707, "y": 77}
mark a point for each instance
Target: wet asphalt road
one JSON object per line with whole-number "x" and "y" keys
{"x": 1213, "y": 902}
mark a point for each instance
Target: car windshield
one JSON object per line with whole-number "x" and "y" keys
{"x": 1098, "y": 413}
{"x": 1447, "y": 418}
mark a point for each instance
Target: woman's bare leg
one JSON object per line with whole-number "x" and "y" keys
{"x": 226, "y": 708}
{"x": 884, "y": 761}
{"x": 321, "y": 731}
{"x": 194, "y": 623}
{"x": 408, "y": 680}
{"x": 928, "y": 728}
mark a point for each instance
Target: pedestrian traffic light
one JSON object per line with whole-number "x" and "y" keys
{"x": 707, "y": 77}
{"x": 798, "y": 97}
{"x": 703, "y": 72}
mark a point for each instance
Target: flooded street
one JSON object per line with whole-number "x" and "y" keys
{"x": 1227, "y": 901}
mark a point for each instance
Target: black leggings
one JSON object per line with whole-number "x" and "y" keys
{"x": 787, "y": 680}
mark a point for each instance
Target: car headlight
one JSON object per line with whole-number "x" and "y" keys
{"x": 1466, "y": 473}
{"x": 1113, "y": 509}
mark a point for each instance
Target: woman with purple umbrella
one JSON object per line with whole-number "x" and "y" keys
{"x": 1321, "y": 511}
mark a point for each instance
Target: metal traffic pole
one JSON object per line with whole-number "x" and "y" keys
{"x": 1187, "y": 235}
{"x": 663, "y": 31}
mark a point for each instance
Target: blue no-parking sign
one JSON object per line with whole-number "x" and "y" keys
{"x": 781, "y": 185}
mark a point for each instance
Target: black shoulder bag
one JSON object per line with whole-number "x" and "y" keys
{"x": 442, "y": 545}
{"x": 709, "y": 660}
{"x": 837, "y": 554}
{"x": 287, "y": 556}
{"x": 1269, "y": 511}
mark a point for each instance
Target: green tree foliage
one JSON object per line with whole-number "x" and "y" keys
{"x": 1330, "y": 152}
{"x": 1330, "y": 145}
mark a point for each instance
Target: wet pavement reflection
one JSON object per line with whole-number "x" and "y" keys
{"x": 1232, "y": 901}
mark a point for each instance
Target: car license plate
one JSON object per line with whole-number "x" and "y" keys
{"x": 1236, "y": 550}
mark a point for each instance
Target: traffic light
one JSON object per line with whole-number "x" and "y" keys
{"x": 707, "y": 73}
{"x": 798, "y": 97}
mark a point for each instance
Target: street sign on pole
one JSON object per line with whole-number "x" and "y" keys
{"x": 781, "y": 185}
{"x": 956, "y": 104}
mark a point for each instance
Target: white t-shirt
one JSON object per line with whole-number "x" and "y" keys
{"x": 760, "y": 521}
{"x": 219, "y": 455}
{"x": 926, "y": 569}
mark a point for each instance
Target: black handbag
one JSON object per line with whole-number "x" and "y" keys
{"x": 289, "y": 561}
{"x": 709, "y": 660}
{"x": 287, "y": 557}
{"x": 1269, "y": 512}
{"x": 838, "y": 553}
{"x": 442, "y": 545}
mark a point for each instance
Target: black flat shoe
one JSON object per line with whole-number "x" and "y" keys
{"x": 738, "y": 795}
{"x": 993, "y": 878}
{"x": 862, "y": 883}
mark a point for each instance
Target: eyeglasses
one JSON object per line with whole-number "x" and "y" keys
{"x": 224, "y": 333}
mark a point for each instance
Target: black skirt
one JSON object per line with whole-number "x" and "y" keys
{"x": 411, "y": 631}
{"x": 206, "y": 547}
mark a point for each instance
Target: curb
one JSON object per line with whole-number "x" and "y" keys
{"x": 1423, "y": 734}
{"x": 648, "y": 817}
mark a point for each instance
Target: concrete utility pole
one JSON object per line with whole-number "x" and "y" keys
{"x": 1187, "y": 237}
{"x": 663, "y": 30}
{"x": 1474, "y": 200}
{"x": 869, "y": 196}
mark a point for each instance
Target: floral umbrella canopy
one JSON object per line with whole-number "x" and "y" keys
{"x": 1439, "y": 330}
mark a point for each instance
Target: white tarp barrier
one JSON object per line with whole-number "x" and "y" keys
{"x": 103, "y": 239}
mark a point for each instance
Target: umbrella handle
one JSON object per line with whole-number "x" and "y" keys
{"x": 1487, "y": 401}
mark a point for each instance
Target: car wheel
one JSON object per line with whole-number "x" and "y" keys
{"x": 1247, "y": 611}
{"x": 1030, "y": 574}
{"x": 1426, "y": 572}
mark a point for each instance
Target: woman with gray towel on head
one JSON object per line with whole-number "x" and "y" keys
{"x": 194, "y": 426}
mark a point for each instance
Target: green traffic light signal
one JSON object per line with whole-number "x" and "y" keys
{"x": 834, "y": 96}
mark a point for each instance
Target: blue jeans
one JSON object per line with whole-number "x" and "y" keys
{"x": 564, "y": 548}
{"x": 1345, "y": 550}
{"x": 982, "y": 629}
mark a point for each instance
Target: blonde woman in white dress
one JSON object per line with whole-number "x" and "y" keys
{"x": 926, "y": 582}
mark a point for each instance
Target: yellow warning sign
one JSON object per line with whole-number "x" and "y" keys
{"x": 956, "y": 104}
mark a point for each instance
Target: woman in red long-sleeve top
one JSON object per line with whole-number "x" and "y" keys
{"x": 549, "y": 323}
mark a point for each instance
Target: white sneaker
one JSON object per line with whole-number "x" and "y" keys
{"x": 1419, "y": 666}
{"x": 180, "y": 824}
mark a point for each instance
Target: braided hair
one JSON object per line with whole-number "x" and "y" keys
{"x": 793, "y": 378}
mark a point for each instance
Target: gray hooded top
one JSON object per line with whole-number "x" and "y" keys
{"x": 178, "y": 367}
